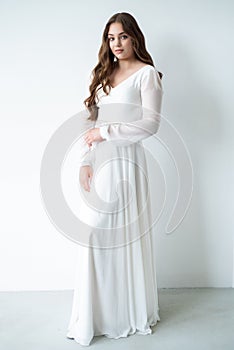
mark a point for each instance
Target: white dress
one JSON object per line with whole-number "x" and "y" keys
{"x": 115, "y": 290}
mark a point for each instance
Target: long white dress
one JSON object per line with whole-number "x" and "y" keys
{"x": 115, "y": 290}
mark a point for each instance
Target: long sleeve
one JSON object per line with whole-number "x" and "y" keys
{"x": 151, "y": 99}
{"x": 86, "y": 154}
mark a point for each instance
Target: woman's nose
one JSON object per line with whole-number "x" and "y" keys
{"x": 118, "y": 42}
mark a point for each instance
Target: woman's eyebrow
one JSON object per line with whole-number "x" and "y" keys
{"x": 118, "y": 34}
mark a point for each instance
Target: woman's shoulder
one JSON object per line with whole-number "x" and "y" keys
{"x": 145, "y": 66}
{"x": 148, "y": 70}
{"x": 150, "y": 77}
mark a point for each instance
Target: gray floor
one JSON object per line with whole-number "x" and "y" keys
{"x": 197, "y": 318}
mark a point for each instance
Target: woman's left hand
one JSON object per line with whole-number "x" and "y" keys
{"x": 93, "y": 135}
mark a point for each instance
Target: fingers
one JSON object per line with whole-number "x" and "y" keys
{"x": 89, "y": 138}
{"x": 86, "y": 185}
{"x": 92, "y": 136}
{"x": 86, "y": 175}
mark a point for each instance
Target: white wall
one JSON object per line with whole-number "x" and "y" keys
{"x": 48, "y": 49}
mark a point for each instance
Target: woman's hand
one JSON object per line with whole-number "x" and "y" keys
{"x": 93, "y": 135}
{"x": 86, "y": 174}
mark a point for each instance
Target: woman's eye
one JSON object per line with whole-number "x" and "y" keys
{"x": 123, "y": 37}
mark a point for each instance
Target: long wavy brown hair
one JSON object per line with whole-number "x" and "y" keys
{"x": 106, "y": 63}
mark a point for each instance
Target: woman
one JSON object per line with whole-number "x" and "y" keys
{"x": 116, "y": 290}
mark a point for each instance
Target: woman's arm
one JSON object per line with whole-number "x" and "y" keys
{"x": 151, "y": 98}
{"x": 87, "y": 153}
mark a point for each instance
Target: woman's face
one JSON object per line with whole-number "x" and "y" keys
{"x": 120, "y": 42}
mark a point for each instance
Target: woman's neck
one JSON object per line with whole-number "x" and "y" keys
{"x": 125, "y": 65}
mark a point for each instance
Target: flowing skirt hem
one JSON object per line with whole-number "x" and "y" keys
{"x": 132, "y": 330}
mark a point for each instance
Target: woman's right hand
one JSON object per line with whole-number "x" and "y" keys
{"x": 85, "y": 177}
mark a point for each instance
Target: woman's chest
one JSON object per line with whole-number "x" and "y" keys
{"x": 122, "y": 93}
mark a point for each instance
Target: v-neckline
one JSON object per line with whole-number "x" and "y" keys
{"x": 114, "y": 87}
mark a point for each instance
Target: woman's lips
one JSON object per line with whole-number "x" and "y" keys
{"x": 118, "y": 51}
